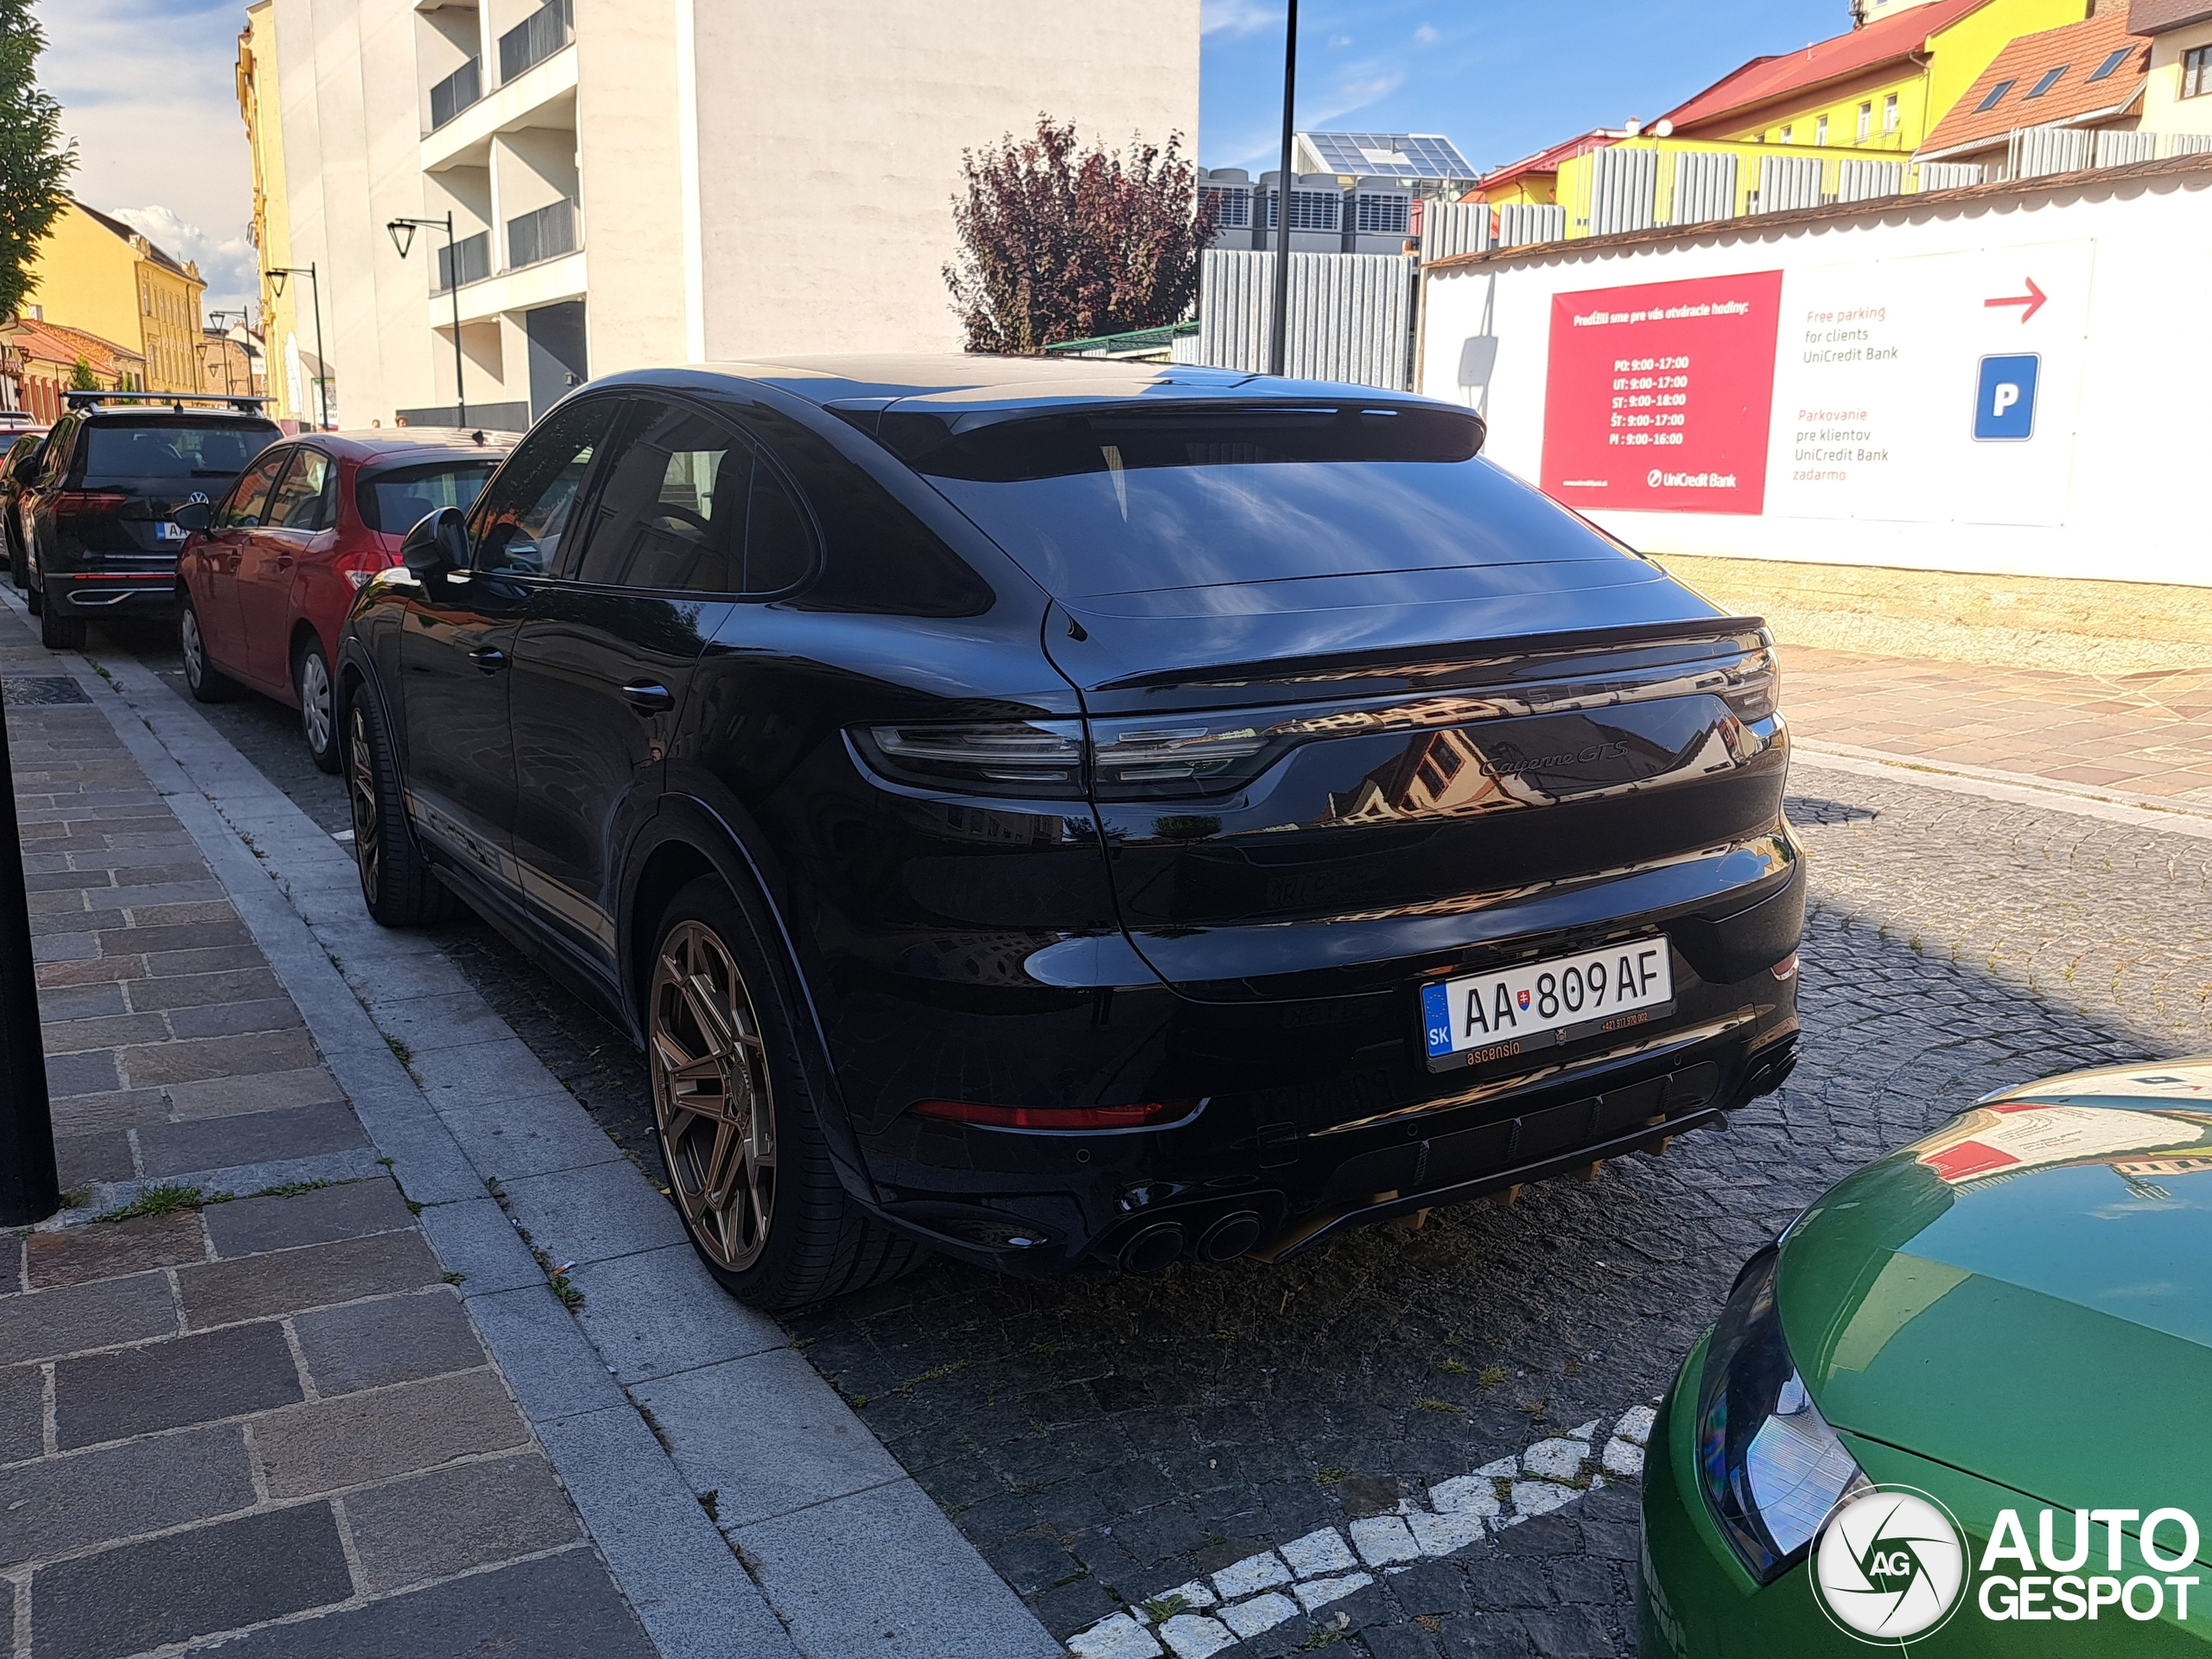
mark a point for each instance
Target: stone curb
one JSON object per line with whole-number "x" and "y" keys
{"x": 295, "y": 889}
{"x": 2114, "y": 805}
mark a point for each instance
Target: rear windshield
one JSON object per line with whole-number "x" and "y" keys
{"x": 1132, "y": 501}
{"x": 171, "y": 449}
{"x": 396, "y": 501}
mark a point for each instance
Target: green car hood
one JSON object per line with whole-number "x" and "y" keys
{"x": 2026, "y": 1294}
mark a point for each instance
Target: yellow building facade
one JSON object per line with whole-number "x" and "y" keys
{"x": 96, "y": 273}
{"x": 290, "y": 364}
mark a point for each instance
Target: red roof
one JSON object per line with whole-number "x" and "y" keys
{"x": 1765, "y": 79}
{"x": 53, "y": 342}
{"x": 1544, "y": 161}
{"x": 2077, "y": 50}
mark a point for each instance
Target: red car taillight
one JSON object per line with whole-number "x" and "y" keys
{"x": 71, "y": 503}
{"x": 1144, "y": 1116}
{"x": 361, "y": 566}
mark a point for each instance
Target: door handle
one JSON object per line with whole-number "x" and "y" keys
{"x": 648, "y": 698}
{"x": 489, "y": 658}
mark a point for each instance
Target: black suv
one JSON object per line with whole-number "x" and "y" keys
{"x": 98, "y": 512}
{"x": 1083, "y": 814}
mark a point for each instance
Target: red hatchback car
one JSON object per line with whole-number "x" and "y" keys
{"x": 262, "y": 591}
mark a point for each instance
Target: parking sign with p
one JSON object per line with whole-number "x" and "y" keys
{"x": 2005, "y": 400}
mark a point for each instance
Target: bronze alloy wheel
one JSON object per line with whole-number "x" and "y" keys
{"x": 361, "y": 790}
{"x": 711, "y": 1096}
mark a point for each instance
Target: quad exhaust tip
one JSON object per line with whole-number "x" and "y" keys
{"x": 1230, "y": 1236}
{"x": 1154, "y": 1250}
{"x": 1161, "y": 1246}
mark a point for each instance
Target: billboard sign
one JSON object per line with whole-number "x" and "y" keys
{"x": 1930, "y": 389}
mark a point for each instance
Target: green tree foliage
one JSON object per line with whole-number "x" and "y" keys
{"x": 1058, "y": 244}
{"x": 81, "y": 378}
{"x": 35, "y": 164}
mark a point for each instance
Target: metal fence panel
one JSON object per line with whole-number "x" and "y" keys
{"x": 2186, "y": 143}
{"x": 1866, "y": 180}
{"x": 1521, "y": 223}
{"x": 1624, "y": 190}
{"x": 1454, "y": 227}
{"x": 2037, "y": 152}
{"x": 1786, "y": 181}
{"x": 1705, "y": 186}
{"x": 2124, "y": 148}
{"x": 1951, "y": 175}
{"x": 1350, "y": 315}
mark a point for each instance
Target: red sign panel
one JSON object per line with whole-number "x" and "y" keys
{"x": 1659, "y": 395}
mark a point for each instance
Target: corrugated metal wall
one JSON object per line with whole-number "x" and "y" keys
{"x": 2036, "y": 152}
{"x": 1705, "y": 186}
{"x": 1950, "y": 175}
{"x": 1521, "y": 223}
{"x": 1453, "y": 227}
{"x": 1786, "y": 181}
{"x": 1350, "y": 315}
{"x": 1865, "y": 181}
{"x": 1624, "y": 190}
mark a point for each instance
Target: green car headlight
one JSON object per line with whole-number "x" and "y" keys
{"x": 1771, "y": 1468}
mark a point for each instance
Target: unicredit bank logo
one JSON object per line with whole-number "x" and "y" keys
{"x": 1891, "y": 1564}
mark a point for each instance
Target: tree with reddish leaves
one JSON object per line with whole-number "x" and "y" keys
{"x": 1061, "y": 244}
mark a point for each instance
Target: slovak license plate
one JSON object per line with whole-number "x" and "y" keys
{"x": 165, "y": 532}
{"x": 1479, "y": 1018}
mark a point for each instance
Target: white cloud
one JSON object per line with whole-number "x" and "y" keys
{"x": 147, "y": 90}
{"x": 1426, "y": 35}
{"x": 1339, "y": 42}
{"x": 1234, "y": 17}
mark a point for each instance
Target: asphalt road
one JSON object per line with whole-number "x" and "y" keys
{"x": 1105, "y": 1439}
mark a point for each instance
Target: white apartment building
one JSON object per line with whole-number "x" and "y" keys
{"x": 654, "y": 181}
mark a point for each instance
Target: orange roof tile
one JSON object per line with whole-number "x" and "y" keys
{"x": 2008, "y": 86}
{"x": 1765, "y": 79}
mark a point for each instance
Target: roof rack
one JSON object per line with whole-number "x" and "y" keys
{"x": 76, "y": 399}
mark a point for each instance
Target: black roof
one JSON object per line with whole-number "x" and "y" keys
{"x": 954, "y": 384}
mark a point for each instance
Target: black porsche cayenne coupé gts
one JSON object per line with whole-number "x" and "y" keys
{"x": 1082, "y": 813}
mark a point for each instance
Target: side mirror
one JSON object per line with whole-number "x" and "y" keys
{"x": 191, "y": 515}
{"x": 438, "y": 544}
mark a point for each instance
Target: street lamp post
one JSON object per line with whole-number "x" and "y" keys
{"x": 1278, "y": 356}
{"x": 403, "y": 238}
{"x": 277, "y": 276}
{"x": 216, "y": 317}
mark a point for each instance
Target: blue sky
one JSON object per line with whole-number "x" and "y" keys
{"x": 147, "y": 92}
{"x": 1499, "y": 78}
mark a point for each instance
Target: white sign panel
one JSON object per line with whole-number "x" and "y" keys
{"x": 1940, "y": 388}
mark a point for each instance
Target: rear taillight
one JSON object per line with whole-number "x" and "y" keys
{"x": 1034, "y": 758}
{"x": 1149, "y": 1116}
{"x": 361, "y": 569}
{"x": 71, "y": 503}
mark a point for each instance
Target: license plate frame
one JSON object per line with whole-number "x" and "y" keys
{"x": 1508, "y": 1022}
{"x": 165, "y": 532}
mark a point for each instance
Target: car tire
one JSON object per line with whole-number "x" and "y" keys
{"x": 58, "y": 632}
{"x": 735, "y": 1106}
{"x": 397, "y": 882}
{"x": 34, "y": 601}
{"x": 318, "y": 705}
{"x": 206, "y": 683}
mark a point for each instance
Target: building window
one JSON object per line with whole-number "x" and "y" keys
{"x": 2050, "y": 80}
{"x": 1866, "y": 122}
{"x": 1820, "y": 130}
{"x": 2112, "y": 63}
{"x": 1785, "y": 135}
{"x": 1889, "y": 113}
{"x": 1995, "y": 96}
{"x": 2196, "y": 72}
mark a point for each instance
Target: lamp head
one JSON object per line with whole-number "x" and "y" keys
{"x": 277, "y": 282}
{"x": 403, "y": 235}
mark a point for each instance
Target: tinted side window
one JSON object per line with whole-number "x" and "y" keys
{"x": 672, "y": 514}
{"x": 876, "y": 557}
{"x": 524, "y": 512}
{"x": 305, "y": 499}
{"x": 249, "y": 502}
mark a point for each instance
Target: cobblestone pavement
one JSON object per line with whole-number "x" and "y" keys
{"x": 2147, "y": 734}
{"x": 1106, "y": 1440}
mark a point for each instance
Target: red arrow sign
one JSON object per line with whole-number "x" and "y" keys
{"x": 2032, "y": 300}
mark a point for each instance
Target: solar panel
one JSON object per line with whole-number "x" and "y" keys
{"x": 1387, "y": 154}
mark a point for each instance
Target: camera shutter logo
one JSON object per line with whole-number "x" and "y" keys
{"x": 1891, "y": 1564}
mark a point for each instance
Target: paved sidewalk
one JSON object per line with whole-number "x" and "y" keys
{"x": 2147, "y": 736}
{"x": 267, "y": 1413}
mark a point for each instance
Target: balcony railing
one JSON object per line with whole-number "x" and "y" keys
{"x": 537, "y": 38}
{"x": 457, "y": 93}
{"x": 545, "y": 234}
{"x": 471, "y": 255}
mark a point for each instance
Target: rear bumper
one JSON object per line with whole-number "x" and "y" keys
{"x": 94, "y": 595}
